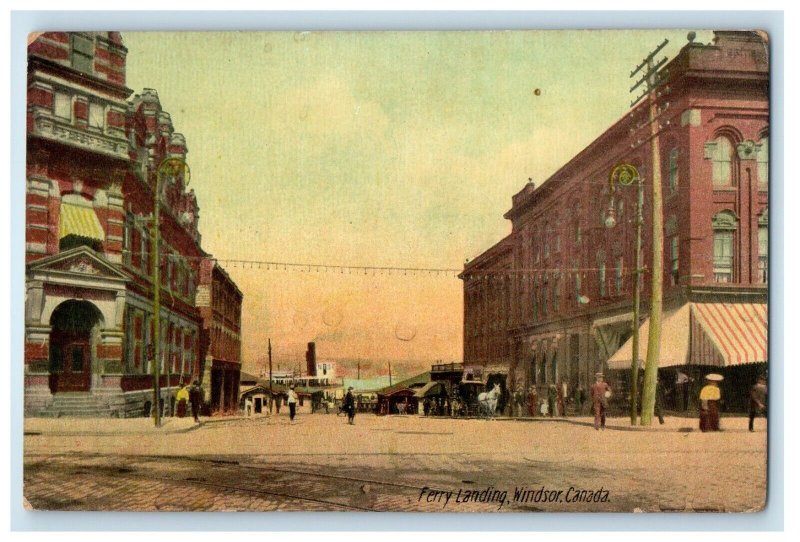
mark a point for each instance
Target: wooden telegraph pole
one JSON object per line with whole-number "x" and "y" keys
{"x": 653, "y": 80}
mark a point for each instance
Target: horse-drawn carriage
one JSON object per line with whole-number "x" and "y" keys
{"x": 474, "y": 400}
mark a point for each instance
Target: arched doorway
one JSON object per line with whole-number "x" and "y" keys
{"x": 72, "y": 330}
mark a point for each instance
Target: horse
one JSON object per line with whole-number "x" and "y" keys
{"x": 487, "y": 401}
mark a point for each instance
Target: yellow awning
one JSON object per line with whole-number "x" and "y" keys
{"x": 81, "y": 221}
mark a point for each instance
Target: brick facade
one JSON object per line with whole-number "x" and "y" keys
{"x": 533, "y": 303}
{"x": 92, "y": 155}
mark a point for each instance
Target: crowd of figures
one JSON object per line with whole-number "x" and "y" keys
{"x": 476, "y": 399}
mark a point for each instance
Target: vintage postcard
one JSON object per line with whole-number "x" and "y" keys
{"x": 474, "y": 271}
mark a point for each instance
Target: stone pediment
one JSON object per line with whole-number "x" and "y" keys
{"x": 81, "y": 261}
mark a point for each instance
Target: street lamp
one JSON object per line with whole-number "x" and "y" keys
{"x": 625, "y": 175}
{"x": 171, "y": 167}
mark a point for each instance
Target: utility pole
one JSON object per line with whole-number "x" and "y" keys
{"x": 269, "y": 355}
{"x": 653, "y": 79}
{"x": 390, "y": 373}
{"x": 358, "y": 373}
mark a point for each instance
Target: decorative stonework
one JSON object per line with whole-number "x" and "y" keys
{"x": 690, "y": 117}
{"x": 55, "y": 129}
{"x": 747, "y": 150}
{"x": 83, "y": 266}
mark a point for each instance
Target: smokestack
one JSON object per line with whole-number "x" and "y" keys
{"x": 311, "y": 360}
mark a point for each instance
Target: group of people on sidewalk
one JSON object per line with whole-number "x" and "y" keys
{"x": 189, "y": 396}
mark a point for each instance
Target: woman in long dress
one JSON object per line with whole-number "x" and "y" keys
{"x": 710, "y": 396}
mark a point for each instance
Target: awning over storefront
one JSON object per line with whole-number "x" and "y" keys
{"x": 727, "y": 334}
{"x": 610, "y": 332}
{"x": 79, "y": 220}
{"x": 717, "y": 334}
{"x": 430, "y": 389}
{"x": 674, "y": 341}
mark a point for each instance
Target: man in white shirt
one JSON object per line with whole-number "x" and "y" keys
{"x": 292, "y": 402}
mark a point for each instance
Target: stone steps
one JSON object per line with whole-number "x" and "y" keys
{"x": 77, "y": 405}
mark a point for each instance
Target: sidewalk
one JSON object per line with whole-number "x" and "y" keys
{"x": 675, "y": 424}
{"x": 107, "y": 426}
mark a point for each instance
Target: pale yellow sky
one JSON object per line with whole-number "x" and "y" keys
{"x": 383, "y": 149}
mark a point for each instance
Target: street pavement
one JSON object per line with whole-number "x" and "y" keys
{"x": 393, "y": 463}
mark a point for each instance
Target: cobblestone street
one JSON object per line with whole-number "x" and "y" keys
{"x": 393, "y": 464}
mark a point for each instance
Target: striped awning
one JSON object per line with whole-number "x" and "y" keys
{"x": 79, "y": 220}
{"x": 716, "y": 334}
{"x": 728, "y": 334}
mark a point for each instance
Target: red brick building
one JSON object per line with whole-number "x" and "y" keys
{"x": 553, "y": 300}
{"x": 220, "y": 304}
{"x": 92, "y": 153}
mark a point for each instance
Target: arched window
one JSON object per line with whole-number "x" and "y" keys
{"x": 720, "y": 152}
{"x": 724, "y": 224}
{"x": 762, "y": 159}
{"x": 673, "y": 170}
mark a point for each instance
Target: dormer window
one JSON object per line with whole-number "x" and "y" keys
{"x": 82, "y": 53}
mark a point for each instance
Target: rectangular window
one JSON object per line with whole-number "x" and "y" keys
{"x": 97, "y": 115}
{"x": 126, "y": 240}
{"x": 673, "y": 170}
{"x": 618, "y": 276}
{"x": 144, "y": 248}
{"x": 82, "y": 53}
{"x": 62, "y": 105}
{"x": 763, "y": 254}
{"x": 535, "y": 300}
{"x": 545, "y": 300}
{"x": 577, "y": 286}
{"x": 577, "y": 234}
{"x": 138, "y": 341}
{"x": 557, "y": 244}
{"x": 762, "y": 160}
{"x": 555, "y": 297}
{"x": 723, "y": 256}
{"x": 673, "y": 268}
{"x": 602, "y": 279}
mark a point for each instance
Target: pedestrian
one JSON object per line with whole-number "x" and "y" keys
{"x": 196, "y": 400}
{"x": 278, "y": 401}
{"x": 248, "y": 406}
{"x": 532, "y": 401}
{"x": 519, "y": 403}
{"x": 658, "y": 409}
{"x": 182, "y": 400}
{"x": 350, "y": 406}
{"x": 562, "y": 398}
{"x": 580, "y": 395}
{"x": 552, "y": 397}
{"x": 710, "y": 396}
{"x": 758, "y": 400}
{"x": 291, "y": 400}
{"x": 601, "y": 393}
{"x": 682, "y": 389}
{"x": 426, "y": 406}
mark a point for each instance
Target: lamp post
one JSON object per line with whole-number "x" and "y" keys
{"x": 625, "y": 175}
{"x": 170, "y": 167}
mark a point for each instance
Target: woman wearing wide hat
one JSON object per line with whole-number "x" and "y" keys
{"x": 710, "y": 396}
